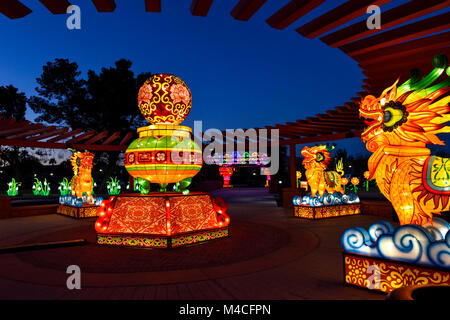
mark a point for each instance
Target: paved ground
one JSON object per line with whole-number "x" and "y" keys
{"x": 270, "y": 255}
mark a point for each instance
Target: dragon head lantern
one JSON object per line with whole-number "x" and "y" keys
{"x": 164, "y": 152}
{"x": 399, "y": 125}
{"x": 316, "y": 157}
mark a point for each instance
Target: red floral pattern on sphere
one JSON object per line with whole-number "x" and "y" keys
{"x": 164, "y": 99}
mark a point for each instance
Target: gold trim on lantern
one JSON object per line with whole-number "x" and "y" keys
{"x": 158, "y": 130}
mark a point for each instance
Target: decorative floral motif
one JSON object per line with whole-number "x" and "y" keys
{"x": 145, "y": 93}
{"x": 160, "y": 156}
{"x": 179, "y": 93}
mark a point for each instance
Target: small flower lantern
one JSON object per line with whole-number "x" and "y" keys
{"x": 355, "y": 181}
{"x": 344, "y": 182}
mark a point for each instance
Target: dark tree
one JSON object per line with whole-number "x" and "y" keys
{"x": 103, "y": 101}
{"x": 13, "y": 104}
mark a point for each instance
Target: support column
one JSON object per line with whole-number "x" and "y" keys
{"x": 131, "y": 183}
{"x": 292, "y": 166}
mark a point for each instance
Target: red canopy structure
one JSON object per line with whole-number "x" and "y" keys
{"x": 38, "y": 135}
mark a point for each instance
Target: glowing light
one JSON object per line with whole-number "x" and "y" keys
{"x": 399, "y": 129}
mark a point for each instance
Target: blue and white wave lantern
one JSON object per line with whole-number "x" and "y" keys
{"x": 328, "y": 199}
{"x": 73, "y": 201}
{"x": 426, "y": 245}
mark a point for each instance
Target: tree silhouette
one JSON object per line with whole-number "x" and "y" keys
{"x": 13, "y": 104}
{"x": 103, "y": 101}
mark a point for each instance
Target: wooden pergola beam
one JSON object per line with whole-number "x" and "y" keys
{"x": 126, "y": 138}
{"x": 14, "y": 9}
{"x": 18, "y": 127}
{"x": 245, "y": 9}
{"x": 48, "y": 134}
{"x": 437, "y": 41}
{"x": 394, "y": 36}
{"x": 201, "y": 7}
{"x": 98, "y": 147}
{"x": 104, "y": 5}
{"x": 56, "y": 6}
{"x": 153, "y": 5}
{"x": 291, "y": 12}
{"x": 383, "y": 61}
{"x": 81, "y": 137}
{"x": 31, "y": 144}
{"x": 344, "y": 13}
{"x": 111, "y": 138}
{"x": 348, "y": 108}
{"x": 97, "y": 137}
{"x": 336, "y": 125}
{"x": 325, "y": 117}
{"x": 5, "y": 123}
{"x": 321, "y": 138}
{"x": 65, "y": 135}
{"x": 295, "y": 127}
{"x": 391, "y": 18}
{"x": 30, "y": 133}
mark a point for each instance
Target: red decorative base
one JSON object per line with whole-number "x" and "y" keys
{"x": 308, "y": 212}
{"x": 86, "y": 211}
{"x": 386, "y": 275}
{"x": 160, "y": 241}
{"x": 161, "y": 220}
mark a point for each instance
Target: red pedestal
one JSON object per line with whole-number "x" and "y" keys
{"x": 86, "y": 211}
{"x": 161, "y": 220}
{"x": 387, "y": 275}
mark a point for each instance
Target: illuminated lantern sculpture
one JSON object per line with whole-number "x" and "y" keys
{"x": 226, "y": 172}
{"x": 81, "y": 182}
{"x": 164, "y": 153}
{"x": 327, "y": 197}
{"x": 316, "y": 162}
{"x": 400, "y": 123}
{"x": 267, "y": 173}
{"x": 81, "y": 203}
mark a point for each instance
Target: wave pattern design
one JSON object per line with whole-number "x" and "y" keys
{"x": 328, "y": 199}
{"x": 426, "y": 245}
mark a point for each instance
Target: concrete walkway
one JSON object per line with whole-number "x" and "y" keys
{"x": 293, "y": 259}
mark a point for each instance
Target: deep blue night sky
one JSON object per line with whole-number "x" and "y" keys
{"x": 241, "y": 74}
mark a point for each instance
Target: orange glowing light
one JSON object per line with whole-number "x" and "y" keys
{"x": 399, "y": 125}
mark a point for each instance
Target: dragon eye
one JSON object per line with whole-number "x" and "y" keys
{"x": 387, "y": 115}
{"x": 395, "y": 115}
{"x": 319, "y": 157}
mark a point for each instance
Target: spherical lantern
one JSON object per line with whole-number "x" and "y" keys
{"x": 164, "y": 99}
{"x": 164, "y": 152}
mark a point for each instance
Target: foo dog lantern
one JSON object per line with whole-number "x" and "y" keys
{"x": 327, "y": 197}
